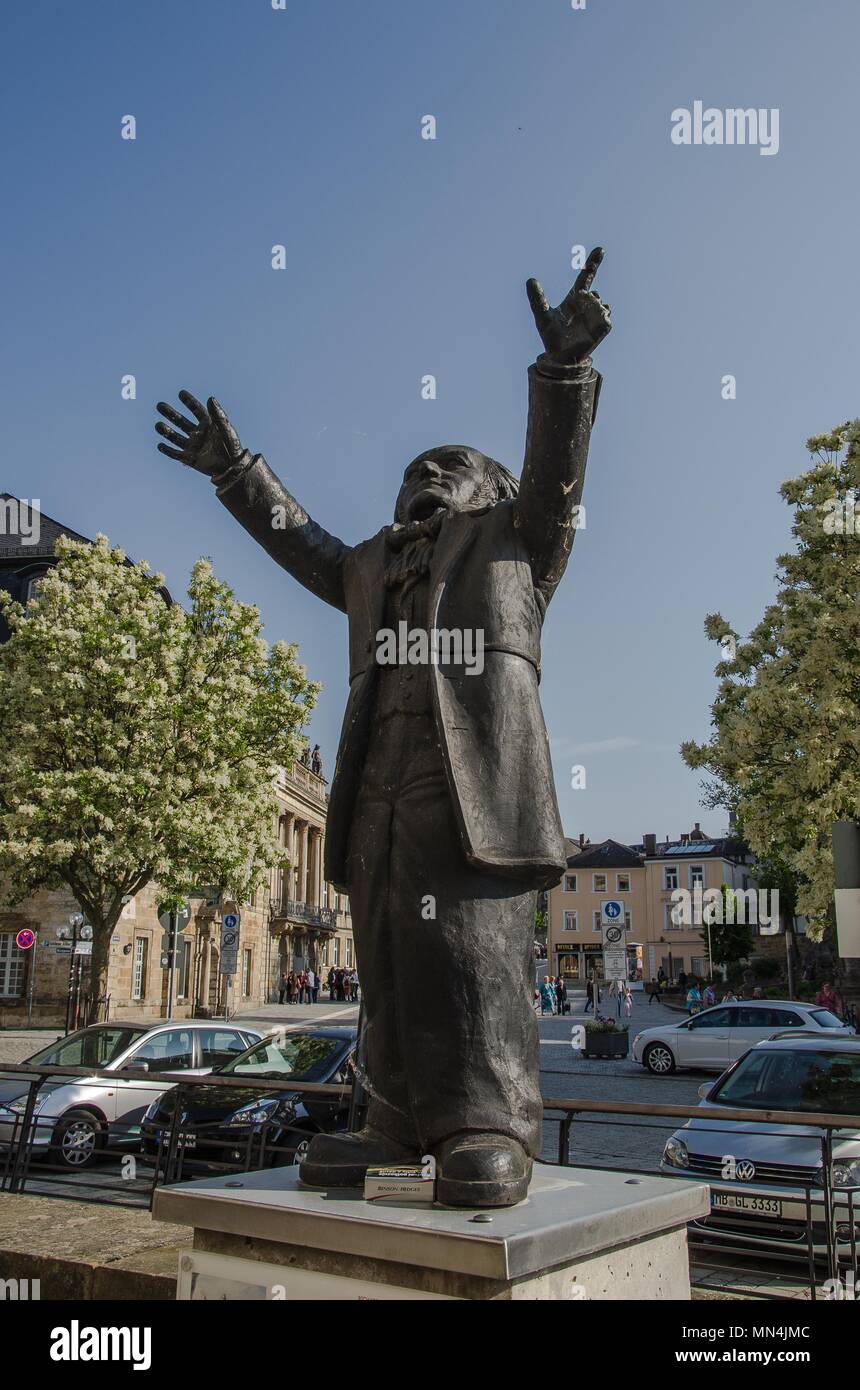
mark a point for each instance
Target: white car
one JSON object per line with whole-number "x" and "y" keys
{"x": 74, "y": 1119}
{"x": 713, "y": 1039}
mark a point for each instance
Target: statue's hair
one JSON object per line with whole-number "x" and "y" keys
{"x": 504, "y": 482}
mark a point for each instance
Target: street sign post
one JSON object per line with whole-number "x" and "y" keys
{"x": 25, "y": 939}
{"x": 231, "y": 925}
{"x": 170, "y": 926}
{"x": 614, "y": 944}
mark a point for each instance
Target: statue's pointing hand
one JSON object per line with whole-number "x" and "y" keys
{"x": 571, "y": 332}
{"x": 209, "y": 443}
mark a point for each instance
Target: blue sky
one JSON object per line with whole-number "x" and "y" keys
{"x": 406, "y": 257}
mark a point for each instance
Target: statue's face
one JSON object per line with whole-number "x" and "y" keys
{"x": 452, "y": 476}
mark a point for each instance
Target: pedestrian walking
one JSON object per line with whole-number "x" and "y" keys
{"x": 291, "y": 987}
{"x": 282, "y": 989}
{"x": 313, "y": 985}
{"x": 826, "y": 998}
{"x": 589, "y": 996}
{"x": 627, "y": 1000}
{"x": 694, "y": 999}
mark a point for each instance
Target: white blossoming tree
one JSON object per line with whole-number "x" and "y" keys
{"x": 140, "y": 740}
{"x": 785, "y": 748}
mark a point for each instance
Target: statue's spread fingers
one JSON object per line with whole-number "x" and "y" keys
{"x": 228, "y": 434}
{"x": 176, "y": 417}
{"x": 538, "y": 300}
{"x": 194, "y": 406}
{"x": 172, "y": 453}
{"x": 173, "y": 435}
{"x": 589, "y": 270}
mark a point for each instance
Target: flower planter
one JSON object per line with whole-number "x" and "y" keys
{"x": 606, "y": 1044}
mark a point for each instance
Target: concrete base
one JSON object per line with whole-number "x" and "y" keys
{"x": 581, "y": 1234}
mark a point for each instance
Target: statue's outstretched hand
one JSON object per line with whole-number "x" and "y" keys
{"x": 211, "y": 445}
{"x": 571, "y": 332}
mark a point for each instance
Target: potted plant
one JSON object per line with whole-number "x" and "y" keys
{"x": 605, "y": 1038}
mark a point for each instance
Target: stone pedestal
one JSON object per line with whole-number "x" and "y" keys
{"x": 581, "y": 1234}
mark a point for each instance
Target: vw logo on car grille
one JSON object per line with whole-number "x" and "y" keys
{"x": 745, "y": 1171}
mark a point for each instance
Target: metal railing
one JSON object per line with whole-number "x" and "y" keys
{"x": 826, "y": 1235}
{"x": 307, "y": 913}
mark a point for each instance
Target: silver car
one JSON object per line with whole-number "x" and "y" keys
{"x": 716, "y": 1037}
{"x": 761, "y": 1174}
{"x": 75, "y": 1119}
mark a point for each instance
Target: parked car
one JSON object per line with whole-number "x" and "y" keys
{"x": 713, "y": 1039}
{"x": 75, "y": 1119}
{"x": 760, "y": 1172}
{"x": 239, "y": 1127}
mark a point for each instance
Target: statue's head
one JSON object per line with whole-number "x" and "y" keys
{"x": 455, "y": 477}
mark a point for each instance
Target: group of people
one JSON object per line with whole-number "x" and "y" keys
{"x": 552, "y": 996}
{"x": 619, "y": 990}
{"x": 299, "y": 987}
{"x": 303, "y": 986}
{"x": 343, "y": 985}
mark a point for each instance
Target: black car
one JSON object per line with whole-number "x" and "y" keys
{"x": 239, "y": 1128}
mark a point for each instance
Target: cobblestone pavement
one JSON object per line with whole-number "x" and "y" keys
{"x": 600, "y": 1140}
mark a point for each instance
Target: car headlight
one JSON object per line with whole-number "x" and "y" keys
{"x": 20, "y": 1105}
{"x": 259, "y": 1111}
{"x": 843, "y": 1173}
{"x": 675, "y": 1154}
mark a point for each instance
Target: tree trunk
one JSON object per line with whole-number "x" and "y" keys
{"x": 96, "y": 1001}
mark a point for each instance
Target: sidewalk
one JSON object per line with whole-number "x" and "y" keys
{"x": 83, "y": 1250}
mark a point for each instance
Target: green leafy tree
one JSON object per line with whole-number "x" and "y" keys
{"x": 785, "y": 747}
{"x": 730, "y": 941}
{"x": 141, "y": 741}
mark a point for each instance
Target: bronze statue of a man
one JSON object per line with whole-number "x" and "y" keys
{"x": 443, "y": 821}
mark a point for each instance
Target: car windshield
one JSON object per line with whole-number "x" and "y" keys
{"x": 819, "y": 1082}
{"x": 825, "y": 1019}
{"x": 91, "y": 1047}
{"x": 299, "y": 1056}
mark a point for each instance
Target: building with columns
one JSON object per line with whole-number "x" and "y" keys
{"x": 295, "y": 922}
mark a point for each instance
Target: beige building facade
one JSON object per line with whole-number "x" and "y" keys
{"x": 643, "y": 877}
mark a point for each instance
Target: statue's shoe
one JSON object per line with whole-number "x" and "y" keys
{"x": 481, "y": 1170}
{"x": 341, "y": 1160}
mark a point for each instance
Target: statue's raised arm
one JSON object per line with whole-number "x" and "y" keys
{"x": 256, "y": 497}
{"x": 563, "y": 391}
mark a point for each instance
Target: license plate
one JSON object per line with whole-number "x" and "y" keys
{"x": 736, "y": 1201}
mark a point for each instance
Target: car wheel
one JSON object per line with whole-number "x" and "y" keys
{"x": 658, "y": 1059}
{"x": 77, "y": 1140}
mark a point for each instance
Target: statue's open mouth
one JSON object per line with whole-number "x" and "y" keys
{"x": 428, "y": 501}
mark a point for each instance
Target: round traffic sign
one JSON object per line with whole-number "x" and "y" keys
{"x": 613, "y": 936}
{"x": 228, "y": 939}
{"x": 231, "y": 920}
{"x": 612, "y": 909}
{"x": 25, "y": 938}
